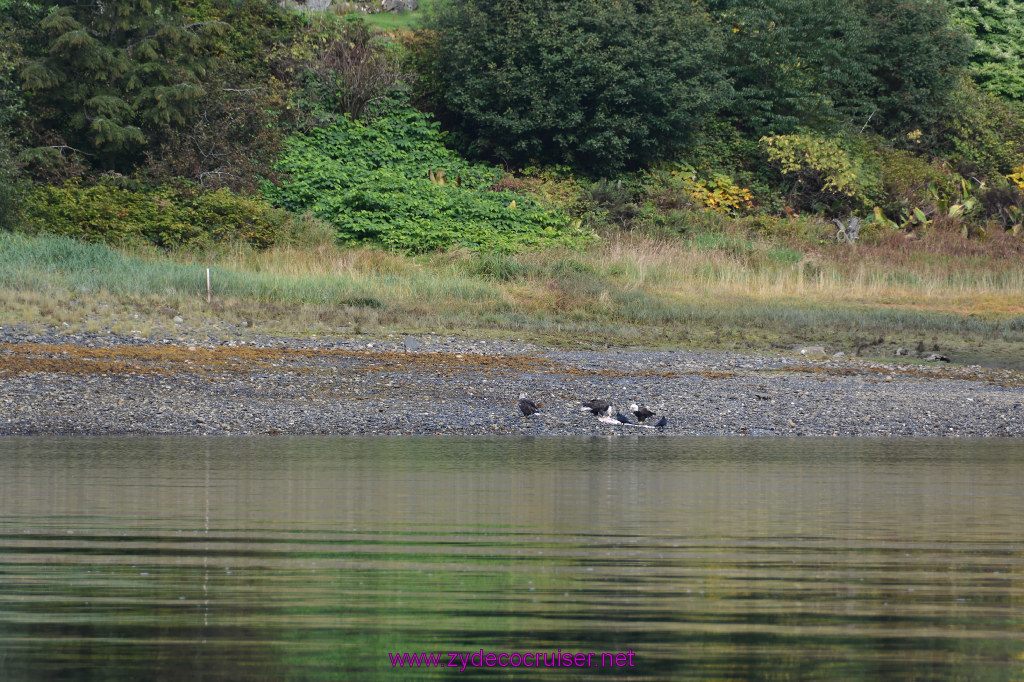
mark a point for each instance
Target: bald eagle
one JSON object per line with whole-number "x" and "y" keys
{"x": 641, "y": 413}
{"x": 527, "y": 406}
{"x": 598, "y": 407}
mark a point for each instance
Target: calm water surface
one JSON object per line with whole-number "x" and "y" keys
{"x": 316, "y": 558}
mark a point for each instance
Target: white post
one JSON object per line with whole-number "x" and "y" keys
{"x": 207, "y": 285}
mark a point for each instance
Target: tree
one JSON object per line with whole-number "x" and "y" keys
{"x": 914, "y": 55}
{"x": 785, "y": 56}
{"x": 887, "y": 64}
{"x": 103, "y": 78}
{"x": 997, "y": 28}
{"x": 597, "y": 85}
{"x": 12, "y": 114}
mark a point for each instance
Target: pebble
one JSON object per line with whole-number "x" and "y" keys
{"x": 448, "y": 385}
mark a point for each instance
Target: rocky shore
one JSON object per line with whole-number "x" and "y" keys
{"x": 243, "y": 383}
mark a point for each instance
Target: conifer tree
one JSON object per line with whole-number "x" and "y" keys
{"x": 890, "y": 65}
{"x": 997, "y": 27}
{"x": 104, "y": 78}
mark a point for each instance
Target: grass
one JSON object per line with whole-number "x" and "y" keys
{"x": 389, "y": 21}
{"x": 711, "y": 291}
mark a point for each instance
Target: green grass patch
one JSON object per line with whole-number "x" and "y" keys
{"x": 388, "y": 21}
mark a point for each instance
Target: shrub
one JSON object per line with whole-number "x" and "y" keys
{"x": 231, "y": 143}
{"x": 599, "y": 86}
{"x": 12, "y": 187}
{"x": 105, "y": 79}
{"x": 914, "y": 55}
{"x": 1004, "y": 204}
{"x": 910, "y": 180}
{"x": 337, "y": 68}
{"x": 1017, "y": 177}
{"x": 106, "y": 212}
{"x": 780, "y": 55}
{"x": 617, "y": 202}
{"x": 981, "y": 134}
{"x": 824, "y": 174}
{"x": 683, "y": 186}
{"x": 392, "y": 181}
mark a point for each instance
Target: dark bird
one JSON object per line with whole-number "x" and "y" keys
{"x": 641, "y": 413}
{"x": 527, "y": 406}
{"x": 623, "y": 419}
{"x": 661, "y": 423}
{"x": 598, "y": 407}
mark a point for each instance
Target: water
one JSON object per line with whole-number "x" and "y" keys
{"x": 314, "y": 558}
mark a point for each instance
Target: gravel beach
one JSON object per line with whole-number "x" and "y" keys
{"x": 243, "y": 383}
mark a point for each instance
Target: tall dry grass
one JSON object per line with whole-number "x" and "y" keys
{"x": 706, "y": 289}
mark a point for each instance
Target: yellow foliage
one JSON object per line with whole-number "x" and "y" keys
{"x": 816, "y": 159}
{"x": 1017, "y": 177}
{"x": 719, "y": 193}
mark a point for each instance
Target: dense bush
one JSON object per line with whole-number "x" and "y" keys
{"x": 783, "y": 57}
{"x": 181, "y": 87}
{"x": 912, "y": 181}
{"x": 392, "y": 181}
{"x": 599, "y": 86}
{"x": 231, "y": 142}
{"x": 107, "y": 212}
{"x": 915, "y": 55}
{"x": 234, "y": 135}
{"x": 681, "y": 186}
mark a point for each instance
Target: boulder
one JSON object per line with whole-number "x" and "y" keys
{"x": 399, "y": 6}
{"x": 307, "y": 5}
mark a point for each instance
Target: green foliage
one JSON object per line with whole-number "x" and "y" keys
{"x": 916, "y": 55}
{"x": 12, "y": 188}
{"x": 339, "y": 67}
{"x": 825, "y": 175}
{"x": 103, "y": 78}
{"x": 391, "y": 21}
{"x": 785, "y": 56}
{"x": 997, "y": 26}
{"x": 162, "y": 216}
{"x": 982, "y": 134}
{"x": 887, "y": 64}
{"x": 912, "y": 181}
{"x": 11, "y": 111}
{"x": 599, "y": 86}
{"x": 392, "y": 181}
{"x": 232, "y": 142}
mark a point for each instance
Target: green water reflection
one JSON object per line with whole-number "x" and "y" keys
{"x": 314, "y": 558}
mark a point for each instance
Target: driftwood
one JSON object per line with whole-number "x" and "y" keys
{"x": 849, "y": 231}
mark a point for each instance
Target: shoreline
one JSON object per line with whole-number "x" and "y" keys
{"x": 55, "y": 383}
